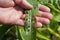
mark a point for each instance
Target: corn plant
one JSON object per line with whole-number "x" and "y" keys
{"x": 29, "y": 31}
{"x": 30, "y": 22}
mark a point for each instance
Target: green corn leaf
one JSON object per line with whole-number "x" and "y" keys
{"x": 43, "y": 1}
{"x": 53, "y": 7}
{"x": 53, "y": 32}
{"x": 18, "y": 35}
{"x": 42, "y": 36}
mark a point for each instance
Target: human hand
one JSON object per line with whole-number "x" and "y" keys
{"x": 14, "y": 15}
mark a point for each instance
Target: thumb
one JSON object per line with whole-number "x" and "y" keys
{"x": 23, "y": 3}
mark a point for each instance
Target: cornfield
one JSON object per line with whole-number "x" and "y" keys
{"x": 29, "y": 31}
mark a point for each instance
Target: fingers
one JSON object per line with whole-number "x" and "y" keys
{"x": 20, "y": 22}
{"x": 43, "y": 20}
{"x": 45, "y": 15}
{"x": 39, "y": 25}
{"x": 23, "y": 16}
{"x": 43, "y": 8}
{"x": 6, "y": 3}
{"x": 40, "y": 20}
{"x": 23, "y": 3}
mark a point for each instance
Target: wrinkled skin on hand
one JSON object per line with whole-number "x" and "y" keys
{"x": 6, "y": 3}
{"x": 10, "y": 13}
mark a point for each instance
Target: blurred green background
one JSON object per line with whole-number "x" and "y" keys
{"x": 47, "y": 32}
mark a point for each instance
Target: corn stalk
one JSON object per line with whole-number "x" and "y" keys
{"x": 29, "y": 32}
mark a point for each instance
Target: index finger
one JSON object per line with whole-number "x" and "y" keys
{"x": 43, "y": 8}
